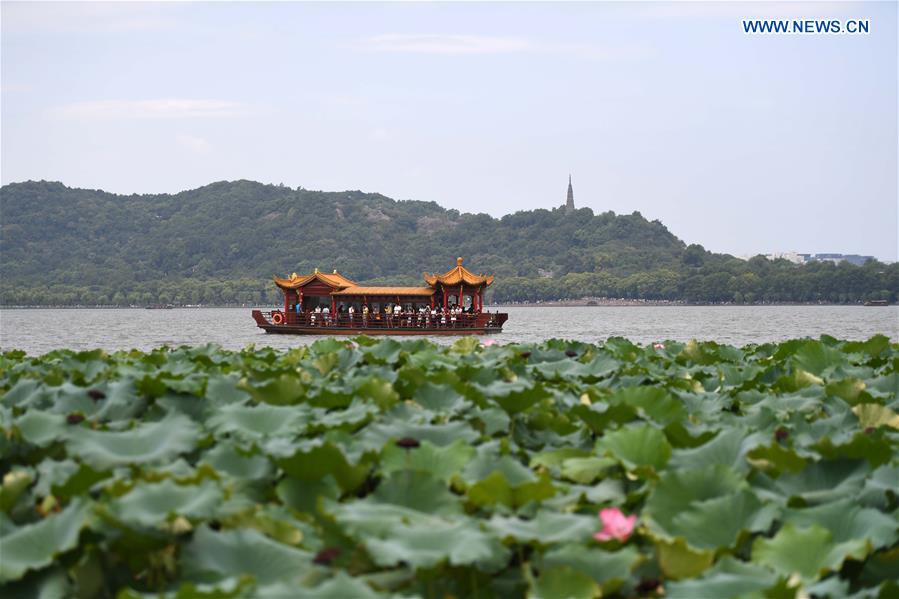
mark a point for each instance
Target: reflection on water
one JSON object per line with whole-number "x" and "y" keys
{"x": 38, "y": 331}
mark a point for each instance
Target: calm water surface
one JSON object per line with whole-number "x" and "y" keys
{"x": 39, "y": 331}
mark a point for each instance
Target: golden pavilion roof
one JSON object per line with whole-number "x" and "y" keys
{"x": 295, "y": 281}
{"x": 458, "y": 275}
{"x": 357, "y": 290}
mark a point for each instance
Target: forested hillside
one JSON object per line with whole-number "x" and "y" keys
{"x": 222, "y": 243}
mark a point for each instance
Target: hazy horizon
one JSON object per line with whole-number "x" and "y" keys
{"x": 744, "y": 144}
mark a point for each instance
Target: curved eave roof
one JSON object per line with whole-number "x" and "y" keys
{"x": 296, "y": 281}
{"x": 407, "y": 291}
{"x": 458, "y": 275}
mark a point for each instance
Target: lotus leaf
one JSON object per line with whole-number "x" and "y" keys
{"x": 405, "y": 468}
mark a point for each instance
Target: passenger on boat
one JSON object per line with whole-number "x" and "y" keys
{"x": 365, "y": 315}
{"x": 388, "y": 310}
{"x": 352, "y": 312}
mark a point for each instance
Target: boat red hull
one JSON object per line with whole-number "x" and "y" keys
{"x": 483, "y": 324}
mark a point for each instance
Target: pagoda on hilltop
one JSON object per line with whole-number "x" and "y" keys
{"x": 569, "y": 202}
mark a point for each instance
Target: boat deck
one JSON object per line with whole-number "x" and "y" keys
{"x": 344, "y": 324}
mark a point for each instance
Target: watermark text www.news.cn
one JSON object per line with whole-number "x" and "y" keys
{"x": 807, "y": 26}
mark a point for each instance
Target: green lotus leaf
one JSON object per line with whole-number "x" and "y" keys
{"x": 599, "y": 367}
{"x": 807, "y": 552}
{"x": 376, "y": 436}
{"x": 377, "y": 391}
{"x": 655, "y": 402}
{"x": 514, "y": 397}
{"x": 819, "y": 482}
{"x": 608, "y": 568}
{"x": 34, "y": 546}
{"x": 42, "y": 428}
{"x": 848, "y": 522}
{"x": 881, "y": 566}
{"x": 440, "y": 399}
{"x": 678, "y": 560}
{"x": 282, "y": 390}
{"x": 370, "y": 518}
{"x": 707, "y": 507}
{"x": 873, "y": 446}
{"x": 880, "y": 487}
{"x": 305, "y": 496}
{"x": 553, "y": 459}
{"x": 315, "y": 461}
{"x": 564, "y": 582}
{"x": 491, "y": 420}
{"x": 874, "y": 346}
{"x": 260, "y": 421}
{"x": 598, "y": 416}
{"x": 728, "y": 578}
{"x": 212, "y": 556}
{"x": 727, "y": 448}
{"x": 144, "y": 444}
{"x": 816, "y": 358}
{"x": 14, "y": 484}
{"x": 874, "y": 415}
{"x": 67, "y": 479}
{"x": 636, "y": 446}
{"x": 394, "y": 534}
{"x": 884, "y": 386}
{"x": 227, "y": 458}
{"x": 441, "y": 462}
{"x": 357, "y": 413}
{"x": 585, "y": 470}
{"x": 52, "y": 473}
{"x": 458, "y": 543}
{"x": 52, "y": 583}
{"x": 153, "y": 504}
{"x": 849, "y": 390}
{"x": 775, "y": 459}
{"x": 718, "y": 522}
{"x": 419, "y": 491}
{"x": 276, "y": 522}
{"x": 340, "y": 586}
{"x": 545, "y": 528}
{"x": 385, "y": 351}
{"x": 495, "y": 489}
{"x": 25, "y": 393}
{"x": 223, "y": 389}
{"x": 229, "y": 588}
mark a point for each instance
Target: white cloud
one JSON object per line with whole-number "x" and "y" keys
{"x": 171, "y": 108}
{"x": 194, "y": 144}
{"x": 425, "y": 43}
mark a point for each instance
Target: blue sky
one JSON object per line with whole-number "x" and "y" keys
{"x": 742, "y": 143}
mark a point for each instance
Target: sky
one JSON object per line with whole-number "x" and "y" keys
{"x": 743, "y": 143}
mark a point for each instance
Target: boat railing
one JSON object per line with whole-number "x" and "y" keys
{"x": 381, "y": 320}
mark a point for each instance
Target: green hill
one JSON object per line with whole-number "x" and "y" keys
{"x": 222, "y": 242}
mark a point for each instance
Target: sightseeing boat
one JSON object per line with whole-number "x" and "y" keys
{"x": 331, "y": 304}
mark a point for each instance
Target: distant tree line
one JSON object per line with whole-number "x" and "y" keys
{"x": 221, "y": 243}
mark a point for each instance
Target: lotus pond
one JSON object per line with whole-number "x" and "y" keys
{"x": 372, "y": 468}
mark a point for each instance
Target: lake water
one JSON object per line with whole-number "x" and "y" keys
{"x": 41, "y": 330}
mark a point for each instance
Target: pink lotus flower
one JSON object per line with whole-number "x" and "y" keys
{"x": 658, "y": 346}
{"x": 488, "y": 342}
{"x": 615, "y": 525}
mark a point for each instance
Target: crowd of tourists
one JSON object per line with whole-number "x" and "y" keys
{"x": 392, "y": 315}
